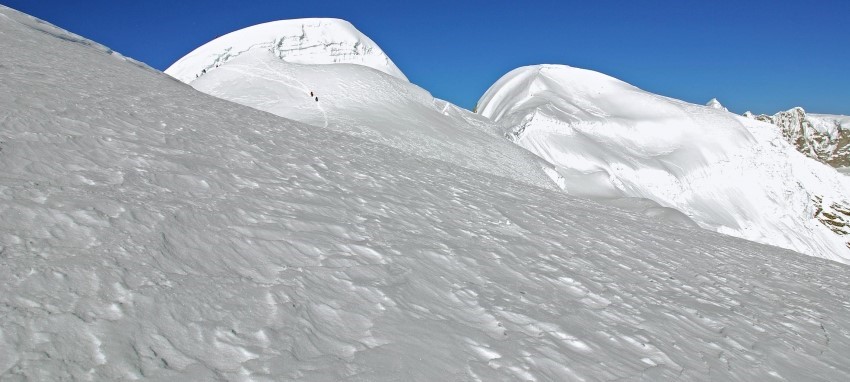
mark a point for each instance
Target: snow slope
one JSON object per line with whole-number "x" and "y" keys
{"x": 376, "y": 106}
{"x": 360, "y": 101}
{"x": 357, "y": 100}
{"x": 148, "y": 231}
{"x": 728, "y": 173}
{"x": 312, "y": 41}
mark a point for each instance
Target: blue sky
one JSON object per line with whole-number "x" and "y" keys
{"x": 763, "y": 56}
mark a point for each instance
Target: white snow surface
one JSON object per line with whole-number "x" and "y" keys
{"x": 305, "y": 41}
{"x": 728, "y": 173}
{"x": 148, "y": 231}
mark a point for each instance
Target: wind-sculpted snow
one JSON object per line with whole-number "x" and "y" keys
{"x": 305, "y": 41}
{"x": 148, "y": 231}
{"x": 728, "y": 173}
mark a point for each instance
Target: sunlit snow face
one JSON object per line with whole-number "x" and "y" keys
{"x": 608, "y": 138}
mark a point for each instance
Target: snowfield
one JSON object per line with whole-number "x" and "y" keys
{"x": 149, "y": 231}
{"x": 728, "y": 173}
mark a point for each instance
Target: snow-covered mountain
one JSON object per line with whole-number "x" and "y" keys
{"x": 357, "y": 100}
{"x": 823, "y": 137}
{"x": 715, "y": 104}
{"x": 149, "y": 231}
{"x": 728, "y": 173}
{"x": 312, "y": 41}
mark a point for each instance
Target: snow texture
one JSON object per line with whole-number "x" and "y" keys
{"x": 149, "y": 231}
{"x": 728, "y": 173}
{"x": 307, "y": 41}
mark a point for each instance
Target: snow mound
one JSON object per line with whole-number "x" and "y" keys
{"x": 149, "y": 231}
{"x": 728, "y": 173}
{"x": 357, "y": 100}
{"x": 303, "y": 41}
{"x": 715, "y": 104}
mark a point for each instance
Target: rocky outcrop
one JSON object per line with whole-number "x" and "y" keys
{"x": 835, "y": 216}
{"x": 823, "y": 137}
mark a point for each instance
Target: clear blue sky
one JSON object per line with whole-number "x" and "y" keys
{"x": 763, "y": 56}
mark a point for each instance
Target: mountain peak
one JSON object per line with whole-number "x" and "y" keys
{"x": 535, "y": 84}
{"x": 715, "y": 104}
{"x": 301, "y": 41}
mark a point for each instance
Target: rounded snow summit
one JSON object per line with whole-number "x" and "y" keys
{"x": 300, "y": 41}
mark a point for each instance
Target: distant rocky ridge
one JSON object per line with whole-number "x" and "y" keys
{"x": 823, "y": 137}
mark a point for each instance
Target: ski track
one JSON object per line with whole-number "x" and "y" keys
{"x": 151, "y": 232}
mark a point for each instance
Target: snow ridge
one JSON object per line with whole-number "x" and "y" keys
{"x": 302, "y": 41}
{"x": 727, "y": 173}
